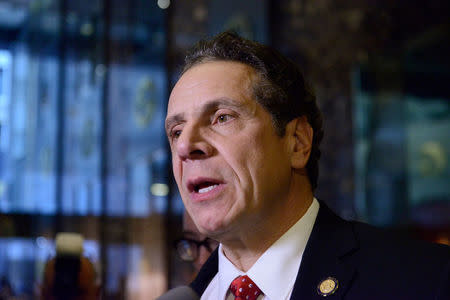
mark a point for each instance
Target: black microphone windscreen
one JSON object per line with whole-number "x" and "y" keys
{"x": 180, "y": 293}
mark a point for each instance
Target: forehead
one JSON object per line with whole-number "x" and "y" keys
{"x": 210, "y": 81}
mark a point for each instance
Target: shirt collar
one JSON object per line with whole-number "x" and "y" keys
{"x": 287, "y": 252}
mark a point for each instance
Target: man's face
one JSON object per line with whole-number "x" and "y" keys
{"x": 231, "y": 167}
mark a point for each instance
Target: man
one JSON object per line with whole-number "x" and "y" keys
{"x": 194, "y": 247}
{"x": 69, "y": 275}
{"x": 244, "y": 132}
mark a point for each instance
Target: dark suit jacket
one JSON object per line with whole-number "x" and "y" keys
{"x": 368, "y": 263}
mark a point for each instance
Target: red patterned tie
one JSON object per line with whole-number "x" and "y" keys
{"x": 243, "y": 288}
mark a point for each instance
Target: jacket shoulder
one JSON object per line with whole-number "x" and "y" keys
{"x": 371, "y": 238}
{"x": 373, "y": 263}
{"x": 397, "y": 262}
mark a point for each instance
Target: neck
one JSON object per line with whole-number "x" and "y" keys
{"x": 245, "y": 248}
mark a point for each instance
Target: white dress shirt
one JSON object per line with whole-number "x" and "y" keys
{"x": 275, "y": 271}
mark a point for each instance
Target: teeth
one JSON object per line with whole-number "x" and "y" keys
{"x": 206, "y": 189}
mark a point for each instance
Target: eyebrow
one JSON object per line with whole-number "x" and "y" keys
{"x": 210, "y": 106}
{"x": 178, "y": 118}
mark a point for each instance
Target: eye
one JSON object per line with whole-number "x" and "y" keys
{"x": 224, "y": 118}
{"x": 174, "y": 134}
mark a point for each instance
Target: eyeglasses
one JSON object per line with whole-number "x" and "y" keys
{"x": 188, "y": 249}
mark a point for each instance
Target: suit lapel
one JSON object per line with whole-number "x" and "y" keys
{"x": 327, "y": 255}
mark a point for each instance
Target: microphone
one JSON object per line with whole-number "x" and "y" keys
{"x": 180, "y": 293}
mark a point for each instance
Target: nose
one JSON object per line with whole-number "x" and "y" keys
{"x": 192, "y": 145}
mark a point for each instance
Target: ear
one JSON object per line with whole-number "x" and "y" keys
{"x": 301, "y": 136}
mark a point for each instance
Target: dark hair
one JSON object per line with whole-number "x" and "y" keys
{"x": 281, "y": 90}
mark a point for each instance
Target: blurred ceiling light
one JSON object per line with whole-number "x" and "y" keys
{"x": 163, "y": 4}
{"x": 12, "y": 15}
{"x": 41, "y": 242}
{"x": 100, "y": 70}
{"x": 200, "y": 13}
{"x": 87, "y": 29}
{"x": 159, "y": 189}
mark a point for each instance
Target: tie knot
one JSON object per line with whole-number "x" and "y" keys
{"x": 243, "y": 288}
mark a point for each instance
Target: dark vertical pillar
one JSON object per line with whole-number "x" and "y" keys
{"x": 61, "y": 120}
{"x": 106, "y": 53}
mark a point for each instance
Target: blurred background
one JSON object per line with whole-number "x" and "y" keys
{"x": 83, "y": 92}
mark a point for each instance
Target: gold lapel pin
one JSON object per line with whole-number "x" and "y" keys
{"x": 327, "y": 286}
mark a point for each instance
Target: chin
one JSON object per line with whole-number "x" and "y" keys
{"x": 212, "y": 221}
{"x": 210, "y": 228}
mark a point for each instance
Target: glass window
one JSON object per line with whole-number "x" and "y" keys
{"x": 83, "y": 91}
{"x": 402, "y": 125}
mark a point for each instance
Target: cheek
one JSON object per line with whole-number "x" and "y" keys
{"x": 245, "y": 161}
{"x": 177, "y": 174}
{"x": 265, "y": 161}
{"x": 176, "y": 169}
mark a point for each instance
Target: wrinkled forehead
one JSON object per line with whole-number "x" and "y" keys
{"x": 212, "y": 79}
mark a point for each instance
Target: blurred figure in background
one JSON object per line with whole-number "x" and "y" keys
{"x": 194, "y": 247}
{"x": 69, "y": 275}
{"x": 6, "y": 291}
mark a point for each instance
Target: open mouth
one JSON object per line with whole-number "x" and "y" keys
{"x": 205, "y": 187}
{"x": 202, "y": 186}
